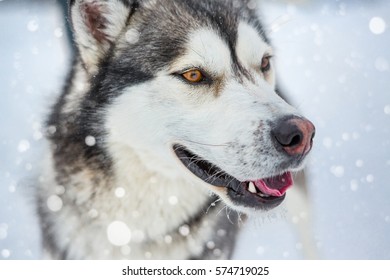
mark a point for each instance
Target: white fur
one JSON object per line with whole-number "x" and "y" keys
{"x": 80, "y": 85}
{"x": 251, "y": 54}
{"x": 207, "y": 50}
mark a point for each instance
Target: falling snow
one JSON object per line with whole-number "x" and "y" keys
{"x": 118, "y": 233}
{"x": 32, "y": 25}
{"x": 210, "y": 245}
{"x": 54, "y": 203}
{"x": 58, "y": 32}
{"x": 173, "y": 200}
{"x": 184, "y": 230}
{"x": 370, "y": 178}
{"x": 260, "y": 250}
{"x": 120, "y": 192}
{"x": 221, "y": 232}
{"x": 217, "y": 252}
{"x": 132, "y": 36}
{"x": 60, "y": 190}
{"x": 51, "y": 130}
{"x": 252, "y": 4}
{"x": 90, "y": 141}
{"x": 168, "y": 239}
{"x": 337, "y": 171}
{"x": 359, "y": 163}
{"x": 349, "y": 158}
{"x": 12, "y": 188}
{"x": 377, "y": 25}
{"x": 346, "y": 136}
{"x": 23, "y": 146}
{"x": 354, "y": 185}
{"x": 93, "y": 213}
{"x": 5, "y": 253}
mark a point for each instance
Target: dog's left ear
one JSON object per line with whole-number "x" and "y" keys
{"x": 97, "y": 24}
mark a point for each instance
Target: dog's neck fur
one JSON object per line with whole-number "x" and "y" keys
{"x": 154, "y": 194}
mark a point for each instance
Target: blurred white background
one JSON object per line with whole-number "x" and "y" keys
{"x": 333, "y": 60}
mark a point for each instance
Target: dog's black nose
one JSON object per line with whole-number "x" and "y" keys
{"x": 294, "y": 135}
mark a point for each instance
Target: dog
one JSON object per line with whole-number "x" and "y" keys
{"x": 170, "y": 116}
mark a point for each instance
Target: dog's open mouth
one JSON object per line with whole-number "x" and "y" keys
{"x": 262, "y": 193}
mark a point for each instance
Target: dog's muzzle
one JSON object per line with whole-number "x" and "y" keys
{"x": 292, "y": 137}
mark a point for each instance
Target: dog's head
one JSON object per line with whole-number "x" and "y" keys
{"x": 191, "y": 84}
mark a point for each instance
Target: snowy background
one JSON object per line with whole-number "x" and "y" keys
{"x": 333, "y": 62}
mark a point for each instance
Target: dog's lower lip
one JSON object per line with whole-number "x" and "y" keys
{"x": 238, "y": 191}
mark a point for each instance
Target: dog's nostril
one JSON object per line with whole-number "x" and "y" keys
{"x": 288, "y": 136}
{"x": 296, "y": 140}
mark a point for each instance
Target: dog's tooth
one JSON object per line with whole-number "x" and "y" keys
{"x": 263, "y": 195}
{"x": 252, "y": 188}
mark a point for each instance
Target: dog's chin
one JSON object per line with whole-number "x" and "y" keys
{"x": 260, "y": 194}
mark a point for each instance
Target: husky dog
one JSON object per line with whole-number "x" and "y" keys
{"x": 169, "y": 116}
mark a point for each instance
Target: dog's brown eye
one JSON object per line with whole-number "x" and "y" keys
{"x": 193, "y": 76}
{"x": 265, "y": 63}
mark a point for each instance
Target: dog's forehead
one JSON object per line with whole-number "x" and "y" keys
{"x": 179, "y": 16}
{"x": 207, "y": 31}
{"x": 206, "y": 48}
{"x": 251, "y": 47}
{"x": 168, "y": 30}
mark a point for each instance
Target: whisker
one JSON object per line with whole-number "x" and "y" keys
{"x": 240, "y": 220}
{"x": 228, "y": 210}
{"x": 220, "y": 211}
{"x": 205, "y": 144}
{"x": 216, "y": 175}
{"x": 213, "y": 204}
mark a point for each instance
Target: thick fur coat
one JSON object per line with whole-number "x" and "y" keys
{"x": 168, "y": 115}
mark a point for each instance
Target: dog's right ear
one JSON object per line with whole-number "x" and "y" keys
{"x": 96, "y": 25}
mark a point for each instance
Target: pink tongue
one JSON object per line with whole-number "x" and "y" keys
{"x": 275, "y": 186}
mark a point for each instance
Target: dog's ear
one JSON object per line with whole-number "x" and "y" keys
{"x": 96, "y": 25}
